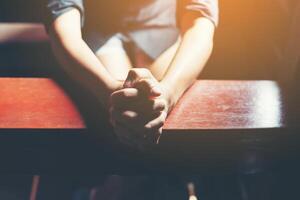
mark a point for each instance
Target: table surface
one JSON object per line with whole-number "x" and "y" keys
{"x": 36, "y": 103}
{"x": 229, "y": 105}
{"x": 39, "y": 103}
{"x": 223, "y": 124}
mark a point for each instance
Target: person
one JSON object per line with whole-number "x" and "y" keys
{"x": 137, "y": 57}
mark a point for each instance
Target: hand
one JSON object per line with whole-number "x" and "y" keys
{"x": 152, "y": 92}
{"x": 139, "y": 111}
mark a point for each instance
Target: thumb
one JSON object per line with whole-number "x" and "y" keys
{"x": 149, "y": 86}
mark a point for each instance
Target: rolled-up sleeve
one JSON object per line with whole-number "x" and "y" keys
{"x": 206, "y": 8}
{"x": 55, "y": 8}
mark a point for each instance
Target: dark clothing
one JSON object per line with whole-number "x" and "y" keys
{"x": 151, "y": 24}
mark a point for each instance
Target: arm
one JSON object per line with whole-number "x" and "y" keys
{"x": 187, "y": 61}
{"x": 147, "y": 119}
{"x": 77, "y": 59}
{"x": 189, "y": 58}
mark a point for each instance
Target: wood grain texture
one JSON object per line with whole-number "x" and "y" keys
{"x": 229, "y": 105}
{"x": 36, "y": 103}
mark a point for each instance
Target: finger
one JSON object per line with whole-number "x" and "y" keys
{"x": 157, "y": 123}
{"x": 136, "y": 121}
{"x": 129, "y": 119}
{"x": 154, "y": 127}
{"x": 130, "y": 99}
{"x": 158, "y": 105}
{"x": 146, "y": 107}
{"x": 124, "y": 97}
{"x": 152, "y": 106}
{"x": 149, "y": 87}
{"x": 118, "y": 123}
{"x": 124, "y": 117}
{"x": 136, "y": 74}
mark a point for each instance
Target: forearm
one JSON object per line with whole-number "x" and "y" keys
{"x": 77, "y": 59}
{"x": 79, "y": 62}
{"x": 191, "y": 56}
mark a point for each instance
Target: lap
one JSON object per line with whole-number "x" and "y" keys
{"x": 119, "y": 54}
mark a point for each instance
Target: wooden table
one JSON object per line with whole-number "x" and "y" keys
{"x": 216, "y": 124}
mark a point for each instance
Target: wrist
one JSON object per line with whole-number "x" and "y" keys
{"x": 113, "y": 86}
{"x": 169, "y": 94}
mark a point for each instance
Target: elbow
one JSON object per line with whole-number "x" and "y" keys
{"x": 61, "y": 39}
{"x": 56, "y": 36}
{"x": 62, "y": 32}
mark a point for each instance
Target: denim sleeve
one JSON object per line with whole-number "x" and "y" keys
{"x": 55, "y": 8}
{"x": 206, "y": 8}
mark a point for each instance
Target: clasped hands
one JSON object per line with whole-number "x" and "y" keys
{"x": 139, "y": 110}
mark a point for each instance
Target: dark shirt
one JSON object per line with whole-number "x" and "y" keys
{"x": 151, "y": 24}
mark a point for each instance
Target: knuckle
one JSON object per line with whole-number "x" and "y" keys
{"x": 144, "y": 70}
{"x": 129, "y": 92}
{"x": 161, "y": 122}
{"x": 145, "y": 83}
{"x": 158, "y": 123}
{"x": 138, "y": 71}
{"x": 162, "y": 103}
{"x": 163, "y": 117}
{"x": 125, "y": 94}
{"x": 150, "y": 82}
{"x": 159, "y": 105}
{"x": 132, "y": 71}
